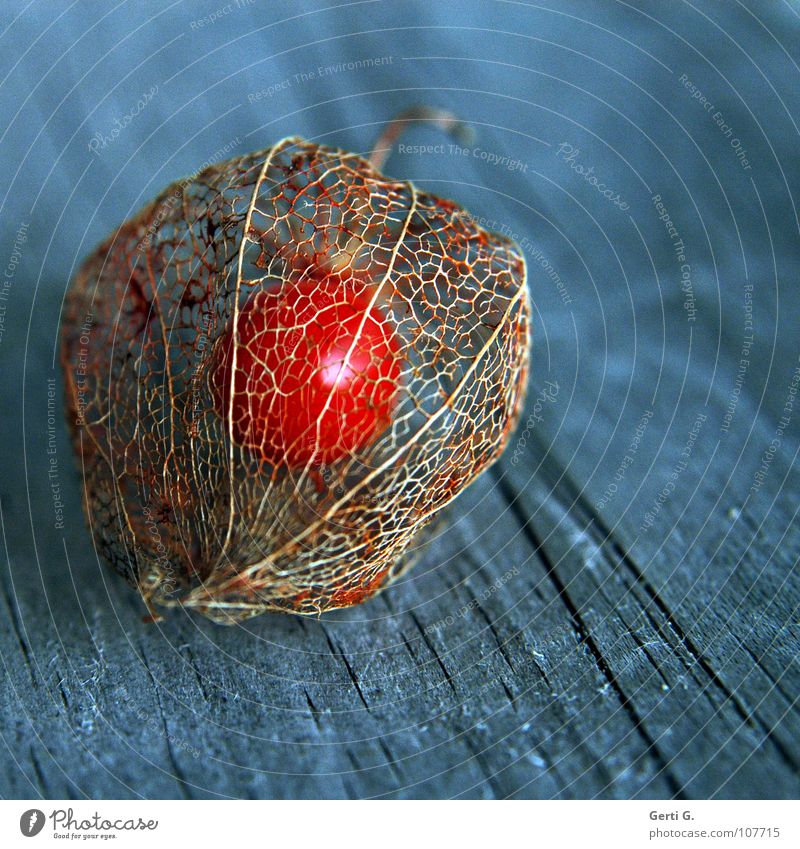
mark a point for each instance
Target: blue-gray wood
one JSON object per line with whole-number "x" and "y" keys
{"x": 612, "y": 611}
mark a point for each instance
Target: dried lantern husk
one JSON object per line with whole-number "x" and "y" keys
{"x": 193, "y": 519}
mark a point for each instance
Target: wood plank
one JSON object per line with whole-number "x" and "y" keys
{"x": 535, "y": 651}
{"x": 544, "y": 646}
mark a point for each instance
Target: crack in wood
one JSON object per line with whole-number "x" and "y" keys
{"x": 183, "y": 784}
{"x": 313, "y": 709}
{"x": 338, "y": 652}
{"x": 588, "y": 640}
{"x": 433, "y": 651}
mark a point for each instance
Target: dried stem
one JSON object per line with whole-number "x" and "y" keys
{"x": 444, "y": 120}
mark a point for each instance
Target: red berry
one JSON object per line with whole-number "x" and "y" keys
{"x": 294, "y": 400}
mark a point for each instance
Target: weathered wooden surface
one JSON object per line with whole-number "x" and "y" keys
{"x": 544, "y": 646}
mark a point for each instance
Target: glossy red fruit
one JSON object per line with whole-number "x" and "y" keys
{"x": 316, "y": 375}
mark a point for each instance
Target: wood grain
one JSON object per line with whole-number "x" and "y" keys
{"x": 559, "y": 637}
